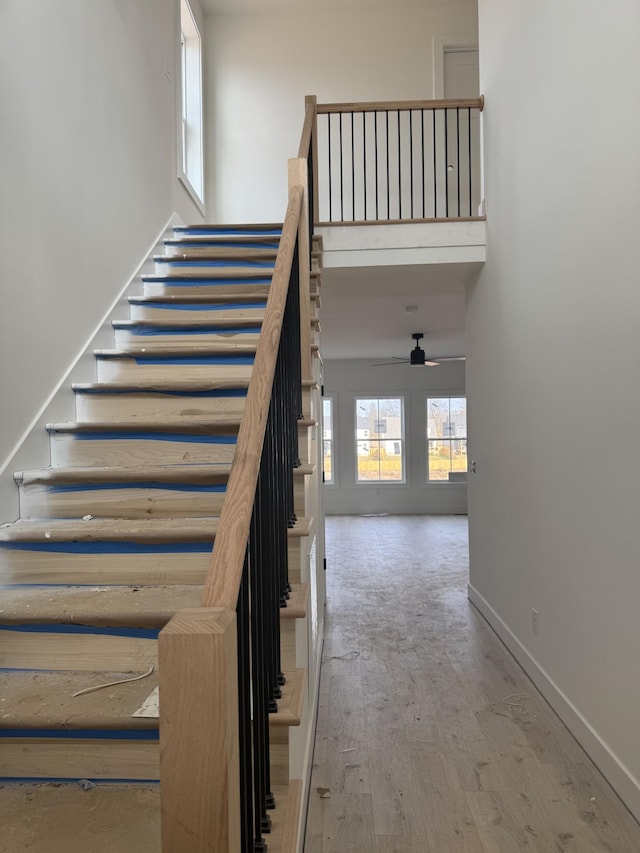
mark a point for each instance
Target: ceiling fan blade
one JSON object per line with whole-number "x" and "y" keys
{"x": 431, "y": 363}
{"x": 388, "y": 363}
{"x": 450, "y": 358}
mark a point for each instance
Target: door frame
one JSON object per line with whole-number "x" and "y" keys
{"x": 447, "y": 44}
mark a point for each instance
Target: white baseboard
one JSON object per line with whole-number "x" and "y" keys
{"x": 311, "y": 741}
{"x": 612, "y": 768}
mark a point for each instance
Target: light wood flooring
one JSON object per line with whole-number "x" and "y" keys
{"x": 416, "y": 749}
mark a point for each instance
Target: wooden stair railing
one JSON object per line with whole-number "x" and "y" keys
{"x": 213, "y": 719}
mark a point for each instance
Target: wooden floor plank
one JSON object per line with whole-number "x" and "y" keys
{"x": 413, "y": 731}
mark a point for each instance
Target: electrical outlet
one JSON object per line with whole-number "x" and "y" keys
{"x": 535, "y": 620}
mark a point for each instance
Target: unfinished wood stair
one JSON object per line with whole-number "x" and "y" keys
{"x": 115, "y": 536}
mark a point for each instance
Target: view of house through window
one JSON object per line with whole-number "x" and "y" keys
{"x": 191, "y": 103}
{"x": 446, "y": 437}
{"x": 379, "y": 439}
{"x": 327, "y": 440}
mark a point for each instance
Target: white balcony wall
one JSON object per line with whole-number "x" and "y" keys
{"x": 260, "y": 66}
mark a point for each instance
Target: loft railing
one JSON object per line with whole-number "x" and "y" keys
{"x": 396, "y": 161}
{"x": 220, "y": 672}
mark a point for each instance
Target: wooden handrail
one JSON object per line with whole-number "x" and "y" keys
{"x": 225, "y": 569}
{"x": 374, "y": 106}
{"x": 308, "y": 126}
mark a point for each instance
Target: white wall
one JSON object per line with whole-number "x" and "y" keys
{"x": 553, "y": 362}
{"x": 347, "y": 379}
{"x": 88, "y": 176}
{"x": 260, "y": 67}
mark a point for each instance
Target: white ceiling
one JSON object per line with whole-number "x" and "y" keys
{"x": 364, "y": 310}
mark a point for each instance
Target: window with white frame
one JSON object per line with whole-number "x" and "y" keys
{"x": 446, "y": 438}
{"x": 191, "y": 139}
{"x": 379, "y": 439}
{"x": 328, "y": 444}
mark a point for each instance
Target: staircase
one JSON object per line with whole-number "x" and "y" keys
{"x": 115, "y": 537}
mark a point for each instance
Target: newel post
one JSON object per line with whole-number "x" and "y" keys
{"x": 199, "y": 761}
{"x": 298, "y": 177}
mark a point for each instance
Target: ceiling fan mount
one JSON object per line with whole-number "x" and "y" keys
{"x": 417, "y": 356}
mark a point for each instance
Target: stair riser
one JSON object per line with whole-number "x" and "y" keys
{"x": 126, "y": 338}
{"x": 77, "y": 758}
{"x": 67, "y": 450}
{"x": 195, "y": 265}
{"x": 194, "y": 313}
{"x": 39, "y": 502}
{"x": 221, "y": 245}
{"x": 99, "y": 569}
{"x": 159, "y": 290}
{"x": 40, "y": 650}
{"x": 101, "y": 407}
{"x": 128, "y": 369}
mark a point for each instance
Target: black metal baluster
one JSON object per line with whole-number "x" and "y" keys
{"x": 330, "y": 173}
{"x": 261, "y": 821}
{"x": 399, "y": 170}
{"x": 458, "y": 153}
{"x": 469, "y": 135}
{"x": 364, "y": 161}
{"x": 388, "y": 175}
{"x": 423, "y": 170}
{"x": 446, "y": 163}
{"x": 375, "y": 132}
{"x": 341, "y": 173}
{"x": 411, "y": 157}
{"x": 353, "y": 170}
{"x": 435, "y": 169}
{"x": 244, "y": 708}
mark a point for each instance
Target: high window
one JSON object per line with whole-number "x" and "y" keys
{"x": 328, "y": 455}
{"x": 191, "y": 140}
{"x": 379, "y": 439}
{"x": 446, "y": 438}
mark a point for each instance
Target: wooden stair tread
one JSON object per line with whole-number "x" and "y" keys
{"x": 59, "y": 818}
{"x": 229, "y": 226}
{"x": 45, "y": 700}
{"x": 115, "y": 606}
{"x": 184, "y": 324}
{"x": 190, "y": 424}
{"x": 212, "y": 239}
{"x": 259, "y": 273}
{"x": 290, "y": 707}
{"x": 178, "y": 473}
{"x": 214, "y": 253}
{"x": 98, "y": 606}
{"x": 247, "y": 299}
{"x": 220, "y": 348}
{"x": 194, "y": 473}
{"x": 178, "y": 386}
{"x": 152, "y": 530}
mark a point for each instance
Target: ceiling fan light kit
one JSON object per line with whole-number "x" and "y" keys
{"x": 417, "y": 356}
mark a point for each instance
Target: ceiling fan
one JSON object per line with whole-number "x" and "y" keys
{"x": 417, "y": 356}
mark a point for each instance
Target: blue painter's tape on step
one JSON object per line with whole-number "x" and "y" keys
{"x": 201, "y": 306}
{"x": 154, "y": 331}
{"x": 169, "y": 487}
{"x": 202, "y": 281}
{"x": 59, "y": 628}
{"x": 187, "y": 438}
{"x": 102, "y": 547}
{"x": 228, "y": 392}
{"x": 227, "y": 244}
{"x": 191, "y": 359}
{"x": 82, "y": 734}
